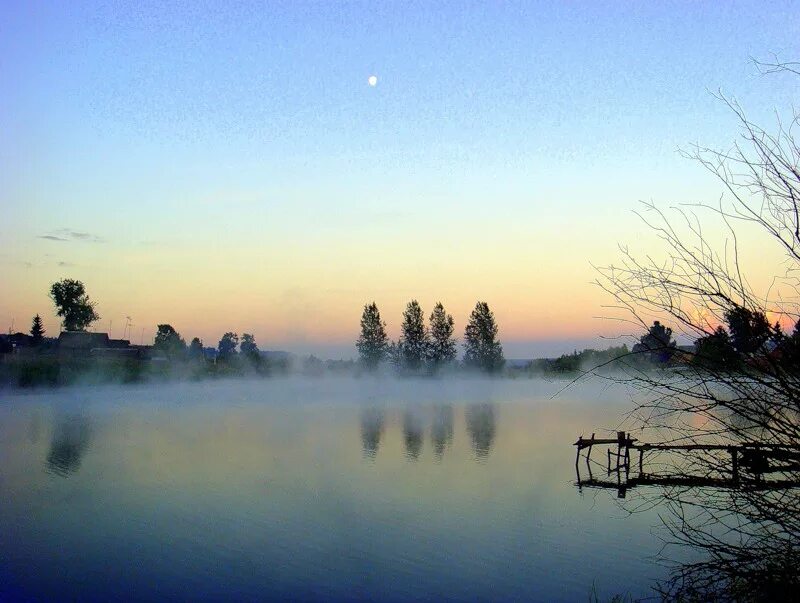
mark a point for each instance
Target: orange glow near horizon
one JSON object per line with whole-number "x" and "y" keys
{"x": 304, "y": 295}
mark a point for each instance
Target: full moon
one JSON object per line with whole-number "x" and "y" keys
{"x": 372, "y": 80}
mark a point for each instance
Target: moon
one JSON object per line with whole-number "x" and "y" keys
{"x": 372, "y": 80}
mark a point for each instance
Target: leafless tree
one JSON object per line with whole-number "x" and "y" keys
{"x": 749, "y": 532}
{"x": 698, "y": 286}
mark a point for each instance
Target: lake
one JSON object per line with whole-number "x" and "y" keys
{"x": 313, "y": 489}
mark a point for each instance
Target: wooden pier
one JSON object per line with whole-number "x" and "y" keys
{"x": 750, "y": 461}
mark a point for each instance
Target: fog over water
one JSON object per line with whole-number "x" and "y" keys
{"x": 316, "y": 489}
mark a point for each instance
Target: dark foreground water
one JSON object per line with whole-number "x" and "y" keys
{"x": 330, "y": 489}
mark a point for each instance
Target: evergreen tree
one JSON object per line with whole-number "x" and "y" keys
{"x": 372, "y": 343}
{"x": 169, "y": 341}
{"x": 37, "y": 330}
{"x": 227, "y": 346}
{"x": 481, "y": 348}
{"x": 749, "y": 330}
{"x": 73, "y": 305}
{"x": 394, "y": 355}
{"x": 413, "y": 337}
{"x": 442, "y": 348}
{"x": 715, "y": 351}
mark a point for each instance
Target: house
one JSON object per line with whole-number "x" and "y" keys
{"x": 81, "y": 343}
{"x": 98, "y": 345}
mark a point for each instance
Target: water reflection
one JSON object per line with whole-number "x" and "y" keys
{"x": 372, "y": 422}
{"x": 68, "y": 445}
{"x": 442, "y": 429}
{"x": 480, "y": 422}
{"x": 262, "y": 497}
{"x": 481, "y": 428}
{"x": 412, "y": 434}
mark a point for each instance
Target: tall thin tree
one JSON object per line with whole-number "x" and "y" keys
{"x": 37, "y": 330}
{"x": 442, "y": 348}
{"x": 413, "y": 337}
{"x": 482, "y": 350}
{"x": 372, "y": 343}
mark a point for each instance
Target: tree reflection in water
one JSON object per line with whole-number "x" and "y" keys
{"x": 442, "y": 429}
{"x": 412, "y": 434}
{"x": 481, "y": 428}
{"x": 68, "y": 445}
{"x": 372, "y": 422}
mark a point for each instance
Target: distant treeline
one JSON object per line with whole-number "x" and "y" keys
{"x": 576, "y": 362}
{"x": 423, "y": 348}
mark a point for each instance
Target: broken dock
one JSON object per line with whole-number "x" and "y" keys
{"x": 750, "y": 461}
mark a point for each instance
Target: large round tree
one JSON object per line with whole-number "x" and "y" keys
{"x": 73, "y": 305}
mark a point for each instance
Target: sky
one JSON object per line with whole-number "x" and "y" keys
{"x": 228, "y": 167}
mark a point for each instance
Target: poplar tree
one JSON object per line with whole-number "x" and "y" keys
{"x": 482, "y": 350}
{"x": 372, "y": 344}
{"x": 413, "y": 337}
{"x": 442, "y": 349}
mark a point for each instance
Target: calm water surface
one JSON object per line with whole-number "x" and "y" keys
{"x": 312, "y": 490}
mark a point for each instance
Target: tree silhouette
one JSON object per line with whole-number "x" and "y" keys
{"x": 73, "y": 305}
{"x": 169, "y": 341}
{"x": 413, "y": 337}
{"x": 657, "y": 344}
{"x": 249, "y": 349}
{"x": 482, "y": 350}
{"x": 227, "y": 346}
{"x": 394, "y": 354}
{"x": 196, "y": 349}
{"x": 372, "y": 343}
{"x": 37, "y": 330}
{"x": 701, "y": 285}
{"x": 749, "y": 329}
{"x": 715, "y": 351}
{"x": 442, "y": 349}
